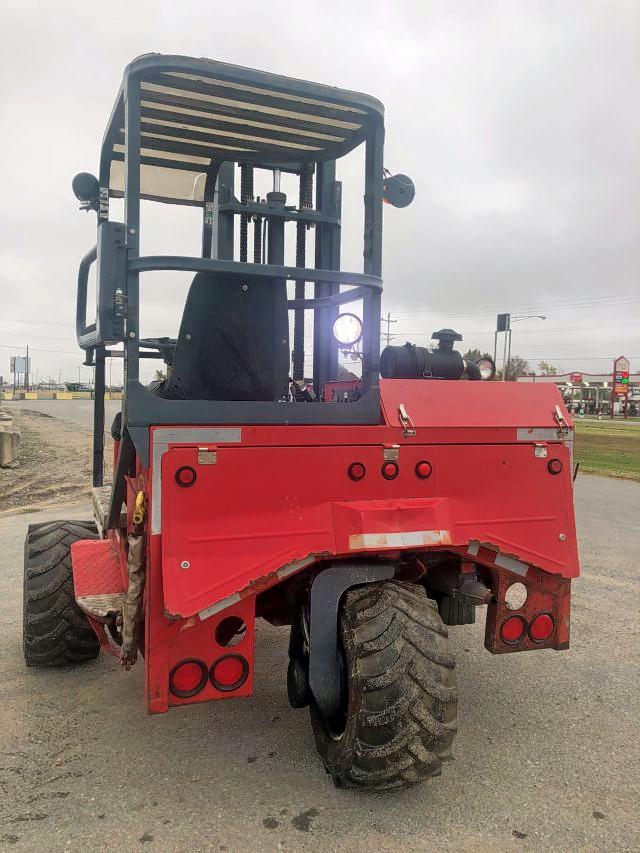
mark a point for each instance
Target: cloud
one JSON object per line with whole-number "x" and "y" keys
{"x": 518, "y": 122}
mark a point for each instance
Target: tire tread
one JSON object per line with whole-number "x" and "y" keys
{"x": 403, "y": 678}
{"x": 55, "y": 630}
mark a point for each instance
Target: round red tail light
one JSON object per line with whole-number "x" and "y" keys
{"x": 229, "y": 672}
{"x": 554, "y": 466}
{"x": 541, "y": 628}
{"x": 187, "y": 678}
{"x": 185, "y": 476}
{"x": 513, "y": 629}
{"x": 423, "y": 469}
{"x": 356, "y": 471}
{"x": 390, "y": 470}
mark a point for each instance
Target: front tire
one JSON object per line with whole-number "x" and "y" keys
{"x": 400, "y": 699}
{"x": 56, "y": 632}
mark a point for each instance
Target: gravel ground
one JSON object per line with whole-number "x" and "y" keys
{"x": 546, "y": 757}
{"x": 55, "y": 452}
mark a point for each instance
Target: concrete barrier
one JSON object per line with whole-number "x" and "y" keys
{"x": 9, "y": 442}
{"x": 57, "y": 395}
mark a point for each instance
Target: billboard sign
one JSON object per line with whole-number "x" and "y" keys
{"x": 18, "y": 364}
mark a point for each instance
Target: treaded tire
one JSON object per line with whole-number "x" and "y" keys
{"x": 400, "y": 716}
{"x": 55, "y": 630}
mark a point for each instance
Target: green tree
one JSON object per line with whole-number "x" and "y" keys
{"x": 517, "y": 367}
{"x": 475, "y": 354}
{"x": 547, "y": 369}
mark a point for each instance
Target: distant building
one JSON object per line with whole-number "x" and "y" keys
{"x": 593, "y": 390}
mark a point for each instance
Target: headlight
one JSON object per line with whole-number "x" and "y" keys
{"x": 347, "y": 329}
{"x": 487, "y": 368}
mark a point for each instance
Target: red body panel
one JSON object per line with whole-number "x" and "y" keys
{"x": 467, "y": 405}
{"x": 267, "y": 504}
{"x": 268, "y": 501}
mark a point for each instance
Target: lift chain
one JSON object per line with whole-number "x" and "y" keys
{"x": 305, "y": 203}
{"x": 246, "y": 196}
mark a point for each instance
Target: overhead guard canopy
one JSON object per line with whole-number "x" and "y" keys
{"x": 195, "y": 113}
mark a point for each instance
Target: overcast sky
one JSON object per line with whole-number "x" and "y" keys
{"x": 518, "y": 121}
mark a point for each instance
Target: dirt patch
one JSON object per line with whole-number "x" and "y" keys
{"x": 55, "y": 462}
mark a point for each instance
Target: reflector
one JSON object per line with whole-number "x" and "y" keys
{"x": 554, "y": 466}
{"x": 541, "y": 628}
{"x": 188, "y": 678}
{"x": 390, "y": 470}
{"x": 229, "y": 672}
{"x": 512, "y": 629}
{"x": 356, "y": 471}
{"x": 185, "y": 476}
{"x": 423, "y": 470}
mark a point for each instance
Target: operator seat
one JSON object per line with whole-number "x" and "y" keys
{"x": 233, "y": 342}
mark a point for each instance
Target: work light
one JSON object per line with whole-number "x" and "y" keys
{"x": 347, "y": 329}
{"x": 487, "y": 368}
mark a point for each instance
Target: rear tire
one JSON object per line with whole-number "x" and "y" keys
{"x": 56, "y": 632}
{"x": 400, "y": 708}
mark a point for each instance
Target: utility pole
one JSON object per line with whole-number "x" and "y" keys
{"x": 388, "y": 321}
{"x": 26, "y": 372}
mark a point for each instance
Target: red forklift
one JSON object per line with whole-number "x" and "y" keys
{"x": 252, "y": 481}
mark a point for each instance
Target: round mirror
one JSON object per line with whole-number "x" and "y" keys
{"x": 85, "y": 186}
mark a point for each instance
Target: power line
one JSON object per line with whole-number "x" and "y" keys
{"x": 596, "y": 302}
{"x": 37, "y": 349}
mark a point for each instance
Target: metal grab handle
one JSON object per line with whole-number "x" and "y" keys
{"x": 84, "y": 333}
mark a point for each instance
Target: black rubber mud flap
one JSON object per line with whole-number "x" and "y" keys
{"x": 327, "y": 590}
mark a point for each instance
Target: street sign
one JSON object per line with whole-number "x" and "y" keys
{"x": 503, "y": 323}
{"x": 18, "y": 364}
{"x": 621, "y": 376}
{"x": 620, "y": 383}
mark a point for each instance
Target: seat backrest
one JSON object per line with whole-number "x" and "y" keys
{"x": 233, "y": 342}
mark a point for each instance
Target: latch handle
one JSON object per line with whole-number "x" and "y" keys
{"x": 408, "y": 428}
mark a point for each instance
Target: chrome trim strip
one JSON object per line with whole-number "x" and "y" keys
{"x": 165, "y": 436}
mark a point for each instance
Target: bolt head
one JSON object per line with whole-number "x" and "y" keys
{"x": 132, "y": 334}
{"x": 187, "y": 337}
{"x": 562, "y": 537}
{"x": 185, "y": 564}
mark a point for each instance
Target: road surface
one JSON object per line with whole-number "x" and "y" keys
{"x": 546, "y": 757}
{"x": 79, "y": 412}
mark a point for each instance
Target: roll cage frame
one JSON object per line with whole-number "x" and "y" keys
{"x": 120, "y": 264}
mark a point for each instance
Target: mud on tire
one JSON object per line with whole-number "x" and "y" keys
{"x": 55, "y": 630}
{"x": 399, "y": 718}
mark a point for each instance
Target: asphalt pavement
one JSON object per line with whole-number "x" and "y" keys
{"x": 79, "y": 412}
{"x": 546, "y": 758}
